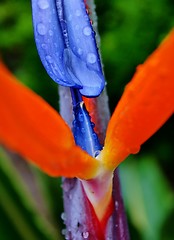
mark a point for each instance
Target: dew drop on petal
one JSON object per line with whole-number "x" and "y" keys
{"x": 116, "y": 205}
{"x": 83, "y": 130}
{"x": 64, "y": 231}
{"x": 87, "y": 31}
{"x": 41, "y": 29}
{"x": 85, "y": 235}
{"x": 44, "y": 46}
{"x": 69, "y": 18}
{"x": 91, "y": 58}
{"x": 81, "y": 118}
{"x": 94, "y": 135}
{"x": 79, "y": 51}
{"x": 63, "y": 216}
{"x": 43, "y": 4}
{"x": 96, "y": 153}
{"x": 78, "y": 13}
{"x": 77, "y": 27}
{"x": 49, "y": 59}
{"x": 50, "y": 33}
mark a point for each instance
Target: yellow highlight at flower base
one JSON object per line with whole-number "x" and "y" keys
{"x": 31, "y": 128}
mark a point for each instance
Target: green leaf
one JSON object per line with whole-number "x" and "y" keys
{"x": 19, "y": 205}
{"x": 148, "y": 197}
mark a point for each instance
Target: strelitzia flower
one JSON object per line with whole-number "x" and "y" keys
{"x": 30, "y": 127}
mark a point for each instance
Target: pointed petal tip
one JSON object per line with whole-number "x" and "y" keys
{"x": 144, "y": 107}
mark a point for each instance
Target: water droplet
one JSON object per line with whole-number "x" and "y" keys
{"x": 77, "y": 27}
{"x": 91, "y": 58}
{"x": 63, "y": 216}
{"x": 44, "y": 46}
{"x": 116, "y": 205}
{"x": 43, "y": 4}
{"x": 41, "y": 29}
{"x": 49, "y": 59}
{"x": 64, "y": 231}
{"x": 94, "y": 135}
{"x": 69, "y": 18}
{"x": 80, "y": 117}
{"x": 78, "y": 13}
{"x": 70, "y": 196}
{"x": 87, "y": 31}
{"x": 83, "y": 130}
{"x": 96, "y": 153}
{"x": 79, "y": 51}
{"x": 85, "y": 235}
{"x": 50, "y": 32}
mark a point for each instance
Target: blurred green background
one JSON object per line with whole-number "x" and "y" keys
{"x": 30, "y": 202}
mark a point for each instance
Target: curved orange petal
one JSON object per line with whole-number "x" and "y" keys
{"x": 30, "y": 127}
{"x": 147, "y": 102}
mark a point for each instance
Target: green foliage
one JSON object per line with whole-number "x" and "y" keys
{"x": 148, "y": 197}
{"x": 130, "y": 31}
{"x": 26, "y": 203}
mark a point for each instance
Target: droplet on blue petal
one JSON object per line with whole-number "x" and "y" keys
{"x": 43, "y": 4}
{"x": 50, "y": 33}
{"x": 87, "y": 31}
{"x": 83, "y": 130}
{"x": 49, "y": 59}
{"x": 78, "y": 13}
{"x": 77, "y": 27}
{"x": 63, "y": 216}
{"x": 91, "y": 58}
{"x": 44, "y": 46}
{"x": 81, "y": 117}
{"x": 85, "y": 235}
{"x": 64, "y": 232}
{"x": 94, "y": 135}
{"x": 80, "y": 51}
{"x": 69, "y": 18}
{"x": 96, "y": 153}
{"x": 41, "y": 29}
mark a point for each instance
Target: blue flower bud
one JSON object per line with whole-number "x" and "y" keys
{"x": 66, "y": 44}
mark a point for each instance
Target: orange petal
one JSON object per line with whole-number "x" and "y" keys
{"x": 30, "y": 127}
{"x": 147, "y": 102}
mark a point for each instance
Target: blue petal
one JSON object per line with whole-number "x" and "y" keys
{"x": 66, "y": 44}
{"x": 85, "y": 60}
{"x": 50, "y": 42}
{"x": 83, "y": 128}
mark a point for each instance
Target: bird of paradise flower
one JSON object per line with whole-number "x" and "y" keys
{"x": 41, "y": 136}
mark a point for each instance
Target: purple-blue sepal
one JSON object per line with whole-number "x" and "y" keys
{"x": 66, "y": 44}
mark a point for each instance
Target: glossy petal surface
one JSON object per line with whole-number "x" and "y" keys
{"x": 83, "y": 130}
{"x": 147, "y": 102}
{"x": 66, "y": 44}
{"x": 30, "y": 127}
